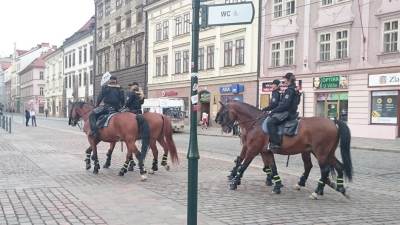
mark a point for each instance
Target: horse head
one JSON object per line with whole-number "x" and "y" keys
{"x": 225, "y": 118}
{"x": 75, "y": 113}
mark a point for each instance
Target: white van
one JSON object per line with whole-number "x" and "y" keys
{"x": 174, "y": 108}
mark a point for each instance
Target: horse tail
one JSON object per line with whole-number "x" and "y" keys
{"x": 345, "y": 139}
{"x": 168, "y": 131}
{"x": 144, "y": 131}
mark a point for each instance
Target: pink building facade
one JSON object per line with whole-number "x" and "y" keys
{"x": 346, "y": 55}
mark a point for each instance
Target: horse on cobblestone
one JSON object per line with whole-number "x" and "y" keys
{"x": 124, "y": 127}
{"x": 317, "y": 136}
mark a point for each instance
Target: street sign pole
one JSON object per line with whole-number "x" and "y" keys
{"x": 193, "y": 152}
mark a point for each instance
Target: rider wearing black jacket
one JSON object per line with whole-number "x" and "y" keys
{"x": 287, "y": 109}
{"x": 135, "y": 99}
{"x": 276, "y": 96}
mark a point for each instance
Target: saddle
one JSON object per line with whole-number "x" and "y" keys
{"x": 288, "y": 128}
{"x": 104, "y": 120}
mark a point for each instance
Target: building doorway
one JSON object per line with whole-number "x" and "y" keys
{"x": 205, "y": 99}
{"x": 332, "y": 105}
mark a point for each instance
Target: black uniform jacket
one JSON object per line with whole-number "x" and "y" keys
{"x": 111, "y": 95}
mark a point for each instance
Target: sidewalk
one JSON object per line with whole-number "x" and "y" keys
{"x": 369, "y": 144}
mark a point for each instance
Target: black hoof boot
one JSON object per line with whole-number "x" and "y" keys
{"x": 107, "y": 165}
{"x": 96, "y": 168}
{"x": 233, "y": 185}
{"x": 88, "y": 166}
{"x": 154, "y": 167}
{"x": 302, "y": 181}
{"x": 341, "y": 189}
{"x": 131, "y": 166}
{"x": 268, "y": 181}
{"x": 277, "y": 188}
{"x": 122, "y": 172}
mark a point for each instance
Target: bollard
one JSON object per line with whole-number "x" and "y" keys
{"x": 9, "y": 126}
{"x": 2, "y": 122}
{"x": 6, "y": 125}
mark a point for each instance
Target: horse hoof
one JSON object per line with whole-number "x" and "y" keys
{"x": 151, "y": 171}
{"x": 88, "y": 167}
{"x": 276, "y": 190}
{"x": 95, "y": 171}
{"x": 268, "y": 182}
{"x": 167, "y": 168}
{"x": 131, "y": 169}
{"x": 314, "y": 196}
{"x": 106, "y": 166}
{"x": 143, "y": 177}
{"x": 297, "y": 187}
{"x": 121, "y": 174}
{"x": 232, "y": 186}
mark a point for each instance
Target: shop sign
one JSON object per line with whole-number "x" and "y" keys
{"x": 384, "y": 107}
{"x": 389, "y": 79}
{"x": 330, "y": 82}
{"x": 234, "y": 88}
{"x": 205, "y": 97}
{"x": 267, "y": 86}
{"x": 168, "y": 93}
{"x": 332, "y": 96}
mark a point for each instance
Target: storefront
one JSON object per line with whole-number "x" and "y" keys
{"x": 385, "y": 100}
{"x": 331, "y": 97}
{"x": 232, "y": 92}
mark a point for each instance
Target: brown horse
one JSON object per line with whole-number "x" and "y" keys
{"x": 319, "y": 136}
{"x": 124, "y": 127}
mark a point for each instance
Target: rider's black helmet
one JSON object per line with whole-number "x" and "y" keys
{"x": 276, "y": 82}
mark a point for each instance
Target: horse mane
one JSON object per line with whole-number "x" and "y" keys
{"x": 251, "y": 108}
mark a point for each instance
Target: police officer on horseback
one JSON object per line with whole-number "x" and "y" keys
{"x": 113, "y": 97}
{"x": 286, "y": 110}
{"x": 135, "y": 99}
{"x": 276, "y": 96}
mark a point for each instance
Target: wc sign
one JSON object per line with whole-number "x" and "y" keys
{"x": 227, "y": 14}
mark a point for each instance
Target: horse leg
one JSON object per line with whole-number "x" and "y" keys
{"x": 132, "y": 164}
{"x": 87, "y": 160}
{"x": 267, "y": 168}
{"x": 319, "y": 191}
{"x": 276, "y": 178}
{"x": 306, "y": 156}
{"x": 164, "y": 161}
{"x": 128, "y": 159}
{"x": 95, "y": 159}
{"x": 235, "y": 169}
{"x": 242, "y": 168}
{"x": 154, "y": 149}
{"x": 107, "y": 164}
{"x": 133, "y": 149}
{"x": 339, "y": 180}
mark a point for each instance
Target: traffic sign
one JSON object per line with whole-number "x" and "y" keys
{"x": 228, "y": 14}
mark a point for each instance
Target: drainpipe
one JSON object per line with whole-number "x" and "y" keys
{"x": 259, "y": 54}
{"x": 94, "y": 55}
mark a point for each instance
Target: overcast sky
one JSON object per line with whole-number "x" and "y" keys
{"x": 30, "y": 22}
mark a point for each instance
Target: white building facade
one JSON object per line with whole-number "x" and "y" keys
{"x": 54, "y": 78}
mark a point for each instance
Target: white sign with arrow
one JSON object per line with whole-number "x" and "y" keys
{"x": 228, "y": 14}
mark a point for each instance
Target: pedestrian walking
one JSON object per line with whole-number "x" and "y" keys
{"x": 27, "y": 116}
{"x": 33, "y": 117}
{"x": 46, "y": 112}
{"x": 204, "y": 120}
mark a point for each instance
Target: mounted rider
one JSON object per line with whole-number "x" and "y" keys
{"x": 276, "y": 96}
{"x": 286, "y": 110}
{"x": 135, "y": 99}
{"x": 113, "y": 97}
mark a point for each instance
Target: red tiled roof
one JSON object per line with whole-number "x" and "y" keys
{"x": 87, "y": 25}
{"x": 38, "y": 62}
{"x": 5, "y": 65}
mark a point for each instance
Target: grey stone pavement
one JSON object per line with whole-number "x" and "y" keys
{"x": 43, "y": 181}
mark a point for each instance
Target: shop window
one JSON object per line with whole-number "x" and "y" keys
{"x": 384, "y": 107}
{"x": 332, "y": 105}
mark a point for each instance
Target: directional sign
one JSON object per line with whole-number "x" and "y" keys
{"x": 229, "y": 14}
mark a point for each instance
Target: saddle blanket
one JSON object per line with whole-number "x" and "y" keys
{"x": 288, "y": 128}
{"x": 104, "y": 120}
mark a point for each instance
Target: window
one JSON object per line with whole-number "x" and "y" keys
{"x": 118, "y": 4}
{"x": 80, "y": 79}
{"x": 85, "y": 55}
{"x": 275, "y": 57}
{"x": 341, "y": 44}
{"x": 290, "y": 7}
{"x": 69, "y": 81}
{"x": 158, "y": 32}
{"x": 70, "y": 60}
{"x": 178, "y": 63}
{"x": 391, "y": 36}
{"x": 80, "y": 56}
{"x": 186, "y": 20}
{"x": 289, "y": 52}
{"x": 325, "y": 47}
{"x": 186, "y": 61}
{"x": 85, "y": 78}
{"x": 41, "y": 75}
{"x": 128, "y": 19}
{"x": 165, "y": 65}
{"x": 118, "y": 24}
{"x": 99, "y": 34}
{"x": 239, "y": 52}
{"x": 99, "y": 63}
{"x": 139, "y": 15}
{"x": 201, "y": 58}
{"x": 41, "y": 91}
{"x": 106, "y": 31}
{"x": 91, "y": 53}
{"x": 284, "y": 8}
{"x": 139, "y": 52}
{"x": 91, "y": 77}
{"x": 66, "y": 82}
{"x": 178, "y": 26}
{"x": 158, "y": 66}
{"x": 326, "y": 2}
{"x": 210, "y": 57}
{"x": 128, "y": 54}
{"x": 384, "y": 107}
{"x": 107, "y": 61}
{"x": 117, "y": 58}
{"x": 278, "y": 8}
{"x": 66, "y": 62}
{"x": 107, "y": 6}
{"x": 165, "y": 30}
{"x": 73, "y": 59}
{"x": 100, "y": 11}
{"x": 228, "y": 53}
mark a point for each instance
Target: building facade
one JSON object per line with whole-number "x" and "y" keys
{"x": 120, "y": 42}
{"x": 54, "y": 77}
{"x": 5, "y": 63}
{"x": 78, "y": 65}
{"x": 346, "y": 57}
{"x": 227, "y": 57}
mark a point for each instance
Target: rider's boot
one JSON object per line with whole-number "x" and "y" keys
{"x": 93, "y": 127}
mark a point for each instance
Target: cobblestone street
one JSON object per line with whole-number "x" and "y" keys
{"x": 43, "y": 181}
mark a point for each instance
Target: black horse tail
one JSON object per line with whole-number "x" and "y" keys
{"x": 345, "y": 139}
{"x": 168, "y": 131}
{"x": 144, "y": 131}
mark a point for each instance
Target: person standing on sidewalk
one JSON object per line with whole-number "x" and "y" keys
{"x": 46, "y": 112}
{"x": 27, "y": 116}
{"x": 33, "y": 116}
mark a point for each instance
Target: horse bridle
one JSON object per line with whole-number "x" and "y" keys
{"x": 75, "y": 120}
